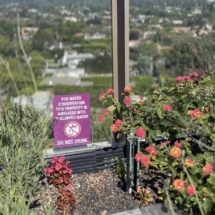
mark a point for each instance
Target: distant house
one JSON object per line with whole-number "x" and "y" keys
{"x": 134, "y": 73}
{"x": 134, "y": 43}
{"x": 56, "y": 45}
{"x": 73, "y": 55}
{"x": 147, "y": 34}
{"x": 72, "y": 81}
{"x": 69, "y": 72}
{"x": 181, "y": 29}
{"x": 177, "y": 22}
{"x": 70, "y": 18}
{"x": 27, "y": 32}
{"x": 161, "y": 48}
{"x": 95, "y": 36}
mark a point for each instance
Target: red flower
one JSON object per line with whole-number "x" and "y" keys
{"x": 208, "y": 168}
{"x": 177, "y": 144}
{"x": 114, "y": 128}
{"x": 54, "y": 159}
{"x": 101, "y": 96}
{"x": 179, "y": 79}
{"x": 127, "y": 101}
{"x": 66, "y": 180}
{"x": 105, "y": 111}
{"x": 175, "y": 152}
{"x": 178, "y": 184}
{"x": 68, "y": 187}
{"x": 151, "y": 150}
{"x": 138, "y": 156}
{"x": 145, "y": 160}
{"x": 127, "y": 89}
{"x": 190, "y": 189}
{"x": 101, "y": 117}
{"x": 140, "y": 132}
{"x": 167, "y": 108}
{"x": 118, "y": 122}
{"x": 110, "y": 91}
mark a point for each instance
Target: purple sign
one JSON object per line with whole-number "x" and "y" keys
{"x": 71, "y": 115}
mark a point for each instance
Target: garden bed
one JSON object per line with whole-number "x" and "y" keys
{"x": 101, "y": 193}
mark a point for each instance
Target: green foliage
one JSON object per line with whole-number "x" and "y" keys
{"x": 23, "y": 135}
{"x": 119, "y": 168}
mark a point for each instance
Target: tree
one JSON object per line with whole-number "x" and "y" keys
{"x": 145, "y": 66}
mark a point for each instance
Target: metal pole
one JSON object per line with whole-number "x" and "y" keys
{"x": 120, "y": 51}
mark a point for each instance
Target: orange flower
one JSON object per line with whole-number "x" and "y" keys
{"x": 190, "y": 189}
{"x": 208, "y": 168}
{"x": 178, "y": 184}
{"x": 189, "y": 162}
{"x": 175, "y": 152}
{"x": 127, "y": 89}
{"x": 114, "y": 128}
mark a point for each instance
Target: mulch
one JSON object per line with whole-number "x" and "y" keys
{"x": 100, "y": 193}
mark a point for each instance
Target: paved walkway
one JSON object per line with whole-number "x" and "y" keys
{"x": 157, "y": 209}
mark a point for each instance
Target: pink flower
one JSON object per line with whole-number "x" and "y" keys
{"x": 118, "y": 122}
{"x": 138, "y": 156}
{"x": 177, "y": 144}
{"x": 207, "y": 109}
{"x": 190, "y": 189}
{"x": 127, "y": 101}
{"x": 187, "y": 78}
{"x": 140, "y": 132}
{"x": 101, "y": 96}
{"x": 54, "y": 159}
{"x": 145, "y": 160}
{"x": 207, "y": 169}
{"x": 105, "y": 111}
{"x": 138, "y": 188}
{"x": 165, "y": 143}
{"x": 101, "y": 117}
{"x": 141, "y": 97}
{"x": 167, "y": 108}
{"x": 195, "y": 113}
{"x": 61, "y": 159}
{"x": 194, "y": 74}
{"x": 151, "y": 150}
{"x": 179, "y": 79}
{"x": 110, "y": 91}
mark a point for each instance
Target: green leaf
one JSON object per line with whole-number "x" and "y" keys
{"x": 159, "y": 112}
{"x": 174, "y": 172}
{"x": 207, "y": 205}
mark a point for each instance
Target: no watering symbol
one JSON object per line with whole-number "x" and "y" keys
{"x": 72, "y": 129}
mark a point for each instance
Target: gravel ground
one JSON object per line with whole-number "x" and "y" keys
{"x": 99, "y": 193}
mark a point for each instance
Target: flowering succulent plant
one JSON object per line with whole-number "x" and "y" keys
{"x": 186, "y": 111}
{"x": 145, "y": 195}
{"x": 59, "y": 174}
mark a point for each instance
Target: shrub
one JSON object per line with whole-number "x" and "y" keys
{"x": 23, "y": 133}
{"x": 185, "y": 111}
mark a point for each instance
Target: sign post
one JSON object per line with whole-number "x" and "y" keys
{"x": 71, "y": 115}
